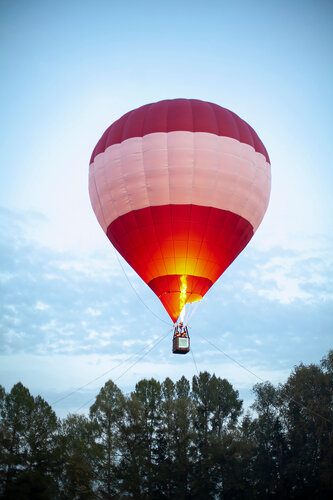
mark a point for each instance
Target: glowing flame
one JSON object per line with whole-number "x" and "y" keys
{"x": 182, "y": 296}
{"x": 182, "y": 314}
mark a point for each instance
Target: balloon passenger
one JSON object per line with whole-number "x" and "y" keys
{"x": 181, "y": 339}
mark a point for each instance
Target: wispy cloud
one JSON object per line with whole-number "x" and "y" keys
{"x": 41, "y": 306}
{"x": 93, "y": 312}
{"x": 296, "y": 277}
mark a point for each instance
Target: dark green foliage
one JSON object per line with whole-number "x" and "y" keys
{"x": 106, "y": 414}
{"x": 217, "y": 409}
{"x": 174, "y": 440}
{"x": 29, "y": 450}
{"x": 80, "y": 452}
{"x": 306, "y": 407}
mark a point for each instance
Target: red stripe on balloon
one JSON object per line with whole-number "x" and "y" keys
{"x": 190, "y": 115}
{"x": 164, "y": 243}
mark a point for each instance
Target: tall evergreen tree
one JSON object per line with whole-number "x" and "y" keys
{"x": 271, "y": 452}
{"x": 133, "y": 465}
{"x": 306, "y": 406}
{"x": 326, "y": 475}
{"x": 148, "y": 393}
{"x": 183, "y": 439}
{"x": 28, "y": 433}
{"x": 3, "y": 442}
{"x": 106, "y": 414}
{"x": 17, "y": 407}
{"x": 79, "y": 454}
{"x": 165, "y": 441}
{"x": 217, "y": 408}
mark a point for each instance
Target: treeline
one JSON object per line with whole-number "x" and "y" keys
{"x": 174, "y": 441}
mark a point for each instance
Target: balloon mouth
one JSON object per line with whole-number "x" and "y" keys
{"x": 174, "y": 291}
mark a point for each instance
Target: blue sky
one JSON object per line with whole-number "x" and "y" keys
{"x": 68, "y": 312}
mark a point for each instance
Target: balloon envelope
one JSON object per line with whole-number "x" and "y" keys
{"x": 179, "y": 187}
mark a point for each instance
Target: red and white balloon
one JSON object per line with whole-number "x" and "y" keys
{"x": 179, "y": 187}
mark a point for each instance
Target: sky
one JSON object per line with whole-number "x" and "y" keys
{"x": 73, "y": 313}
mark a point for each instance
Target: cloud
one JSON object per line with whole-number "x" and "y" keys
{"x": 46, "y": 294}
{"x": 41, "y": 306}
{"x": 5, "y": 277}
{"x": 93, "y": 312}
{"x": 296, "y": 277}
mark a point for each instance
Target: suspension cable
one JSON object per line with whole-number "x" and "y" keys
{"x": 262, "y": 380}
{"x": 195, "y": 364}
{"x": 132, "y": 356}
{"x": 193, "y": 310}
{"x": 128, "y": 368}
{"x": 136, "y": 293}
{"x": 228, "y": 356}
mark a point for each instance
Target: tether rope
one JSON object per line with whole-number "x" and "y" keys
{"x": 131, "y": 366}
{"x": 136, "y": 293}
{"x": 262, "y": 380}
{"x": 99, "y": 376}
{"x": 195, "y": 364}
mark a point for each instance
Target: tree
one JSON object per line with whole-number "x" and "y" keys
{"x": 106, "y": 414}
{"x": 326, "y": 475}
{"x": 17, "y": 407}
{"x": 165, "y": 450}
{"x": 175, "y": 439}
{"x": 79, "y": 453}
{"x": 183, "y": 439}
{"x": 306, "y": 406}
{"x": 271, "y": 452}
{"x": 28, "y": 435}
{"x": 132, "y": 433}
{"x": 148, "y": 393}
{"x": 217, "y": 408}
{"x": 3, "y": 446}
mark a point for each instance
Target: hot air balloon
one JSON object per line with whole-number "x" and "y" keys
{"x": 179, "y": 187}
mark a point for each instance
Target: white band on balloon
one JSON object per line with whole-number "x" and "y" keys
{"x": 180, "y": 168}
